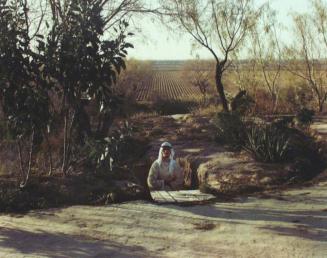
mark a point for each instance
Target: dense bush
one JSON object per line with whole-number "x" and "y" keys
{"x": 45, "y": 192}
{"x": 231, "y": 129}
{"x": 304, "y": 117}
{"x": 305, "y": 152}
{"x": 242, "y": 103}
{"x": 120, "y": 148}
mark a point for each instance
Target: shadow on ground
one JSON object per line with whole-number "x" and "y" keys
{"x": 44, "y": 243}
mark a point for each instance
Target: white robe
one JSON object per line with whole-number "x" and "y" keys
{"x": 160, "y": 174}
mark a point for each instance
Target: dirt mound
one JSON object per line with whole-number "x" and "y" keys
{"x": 236, "y": 173}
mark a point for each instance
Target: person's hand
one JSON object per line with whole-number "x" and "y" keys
{"x": 170, "y": 179}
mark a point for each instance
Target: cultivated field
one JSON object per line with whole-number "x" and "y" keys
{"x": 165, "y": 84}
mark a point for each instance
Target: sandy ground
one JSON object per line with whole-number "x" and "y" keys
{"x": 287, "y": 224}
{"x": 290, "y": 224}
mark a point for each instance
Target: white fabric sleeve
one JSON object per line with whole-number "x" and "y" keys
{"x": 154, "y": 182}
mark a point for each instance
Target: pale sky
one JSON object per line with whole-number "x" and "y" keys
{"x": 159, "y": 44}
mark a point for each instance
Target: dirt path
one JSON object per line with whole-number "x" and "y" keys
{"x": 291, "y": 224}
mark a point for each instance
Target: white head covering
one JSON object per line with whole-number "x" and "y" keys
{"x": 171, "y": 158}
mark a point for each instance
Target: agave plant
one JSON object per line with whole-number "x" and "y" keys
{"x": 267, "y": 143}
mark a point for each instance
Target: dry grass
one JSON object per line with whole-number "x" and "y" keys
{"x": 293, "y": 91}
{"x": 207, "y": 111}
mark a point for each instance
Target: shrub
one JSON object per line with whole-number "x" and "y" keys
{"x": 294, "y": 97}
{"x": 230, "y": 129}
{"x": 242, "y": 103}
{"x": 305, "y": 117}
{"x": 278, "y": 142}
{"x": 267, "y": 143}
{"x": 261, "y": 105}
{"x": 307, "y": 159}
{"x": 119, "y": 149}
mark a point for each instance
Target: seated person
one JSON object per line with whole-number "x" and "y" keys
{"x": 165, "y": 173}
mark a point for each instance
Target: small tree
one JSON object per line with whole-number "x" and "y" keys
{"x": 266, "y": 52}
{"x": 197, "y": 72}
{"x": 219, "y": 26}
{"x": 305, "y": 57}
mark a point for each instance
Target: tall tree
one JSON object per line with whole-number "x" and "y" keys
{"x": 23, "y": 96}
{"x": 220, "y": 26}
{"x": 85, "y": 65}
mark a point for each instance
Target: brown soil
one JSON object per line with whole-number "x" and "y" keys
{"x": 218, "y": 169}
{"x": 286, "y": 223}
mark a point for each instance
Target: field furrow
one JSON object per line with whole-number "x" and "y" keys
{"x": 165, "y": 84}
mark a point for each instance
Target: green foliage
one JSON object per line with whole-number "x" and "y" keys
{"x": 85, "y": 65}
{"x": 116, "y": 150}
{"x": 278, "y": 141}
{"x": 22, "y": 95}
{"x": 267, "y": 142}
{"x": 110, "y": 150}
{"x": 55, "y": 76}
{"x": 230, "y": 129}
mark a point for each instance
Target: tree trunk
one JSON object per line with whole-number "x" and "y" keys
{"x": 220, "y": 87}
{"x": 49, "y": 152}
{"x": 21, "y": 162}
{"x": 30, "y": 157}
{"x": 320, "y": 105}
{"x": 274, "y": 100}
{"x": 64, "y": 158}
{"x": 107, "y": 121}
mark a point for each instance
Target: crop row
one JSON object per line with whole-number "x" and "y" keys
{"x": 165, "y": 84}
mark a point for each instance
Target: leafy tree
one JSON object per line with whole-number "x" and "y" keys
{"x": 85, "y": 65}
{"x": 76, "y": 62}
{"x": 22, "y": 94}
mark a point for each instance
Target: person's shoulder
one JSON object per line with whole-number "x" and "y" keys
{"x": 155, "y": 163}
